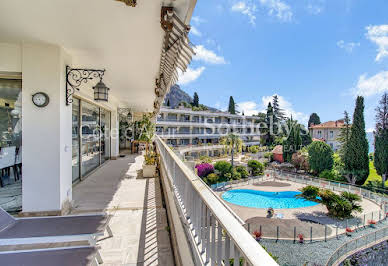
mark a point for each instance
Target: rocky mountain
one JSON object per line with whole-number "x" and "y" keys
{"x": 176, "y": 95}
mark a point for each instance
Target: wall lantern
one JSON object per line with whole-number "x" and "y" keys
{"x": 76, "y": 76}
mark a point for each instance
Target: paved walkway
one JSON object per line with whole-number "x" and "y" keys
{"x": 139, "y": 222}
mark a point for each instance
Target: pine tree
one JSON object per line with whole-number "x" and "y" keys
{"x": 343, "y": 137}
{"x": 356, "y": 153}
{"x": 314, "y": 119}
{"x": 196, "y": 100}
{"x": 381, "y": 139}
{"x": 269, "y": 122}
{"x": 277, "y": 111}
{"x": 232, "y": 106}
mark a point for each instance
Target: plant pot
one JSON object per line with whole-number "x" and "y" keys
{"x": 149, "y": 170}
{"x": 258, "y": 239}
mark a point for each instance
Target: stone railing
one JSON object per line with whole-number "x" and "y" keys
{"x": 215, "y": 233}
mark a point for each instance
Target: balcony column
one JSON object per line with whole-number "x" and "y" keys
{"x": 47, "y": 137}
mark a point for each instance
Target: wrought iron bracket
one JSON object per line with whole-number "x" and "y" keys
{"x": 76, "y": 76}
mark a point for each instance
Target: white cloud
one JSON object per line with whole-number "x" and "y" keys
{"x": 197, "y": 20}
{"x": 287, "y": 107}
{"x": 348, "y": 47}
{"x": 208, "y": 56}
{"x": 315, "y": 7}
{"x": 379, "y": 35}
{"x": 247, "y": 9}
{"x": 277, "y": 8}
{"x": 253, "y": 108}
{"x": 373, "y": 85}
{"x": 249, "y": 108}
{"x": 370, "y": 130}
{"x": 190, "y": 75}
{"x": 195, "y": 31}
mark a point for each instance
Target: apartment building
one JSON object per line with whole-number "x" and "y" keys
{"x": 328, "y": 132}
{"x": 182, "y": 127}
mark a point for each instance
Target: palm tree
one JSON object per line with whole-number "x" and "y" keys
{"x": 232, "y": 142}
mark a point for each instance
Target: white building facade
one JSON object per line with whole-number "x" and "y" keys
{"x": 182, "y": 127}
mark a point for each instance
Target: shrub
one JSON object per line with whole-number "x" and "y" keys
{"x": 328, "y": 174}
{"x": 212, "y": 179}
{"x": 269, "y": 156}
{"x": 300, "y": 160}
{"x": 253, "y": 149}
{"x": 243, "y": 171}
{"x": 320, "y": 157}
{"x": 340, "y": 206}
{"x": 204, "y": 169}
{"x": 257, "y": 168}
{"x": 205, "y": 159}
{"x": 223, "y": 167}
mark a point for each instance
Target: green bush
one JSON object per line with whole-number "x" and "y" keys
{"x": 243, "y": 171}
{"x": 339, "y": 206}
{"x": 236, "y": 175}
{"x": 212, "y": 179}
{"x": 256, "y": 167}
{"x": 205, "y": 159}
{"x": 269, "y": 156}
{"x": 328, "y": 174}
{"x": 320, "y": 157}
{"x": 223, "y": 167}
{"x": 253, "y": 149}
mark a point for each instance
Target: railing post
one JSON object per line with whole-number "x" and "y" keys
{"x": 294, "y": 234}
{"x": 325, "y": 232}
{"x": 227, "y": 251}
{"x": 277, "y": 233}
{"x": 311, "y": 234}
{"x": 207, "y": 234}
{"x": 213, "y": 240}
{"x": 219, "y": 243}
{"x": 236, "y": 256}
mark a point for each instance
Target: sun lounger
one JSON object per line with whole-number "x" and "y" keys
{"x": 52, "y": 229}
{"x": 65, "y": 256}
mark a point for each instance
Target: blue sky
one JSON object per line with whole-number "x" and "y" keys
{"x": 315, "y": 54}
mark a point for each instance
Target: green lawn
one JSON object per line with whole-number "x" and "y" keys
{"x": 373, "y": 176}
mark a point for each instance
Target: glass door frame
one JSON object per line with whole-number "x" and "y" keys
{"x": 81, "y": 101}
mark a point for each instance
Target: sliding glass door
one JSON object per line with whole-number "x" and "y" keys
{"x": 91, "y": 137}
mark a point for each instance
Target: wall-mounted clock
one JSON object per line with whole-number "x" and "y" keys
{"x": 40, "y": 99}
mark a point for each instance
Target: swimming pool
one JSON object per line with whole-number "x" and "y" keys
{"x": 265, "y": 199}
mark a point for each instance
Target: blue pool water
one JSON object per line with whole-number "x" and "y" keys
{"x": 265, "y": 199}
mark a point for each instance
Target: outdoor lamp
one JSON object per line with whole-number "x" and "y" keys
{"x": 100, "y": 91}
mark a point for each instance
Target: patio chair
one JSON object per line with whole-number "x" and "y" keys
{"x": 65, "y": 256}
{"x": 52, "y": 229}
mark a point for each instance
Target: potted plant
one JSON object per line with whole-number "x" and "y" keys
{"x": 146, "y": 134}
{"x": 372, "y": 223}
{"x": 349, "y": 231}
{"x": 257, "y": 235}
{"x": 301, "y": 238}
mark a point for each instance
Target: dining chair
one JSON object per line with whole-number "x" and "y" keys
{"x": 18, "y": 163}
{"x": 7, "y": 160}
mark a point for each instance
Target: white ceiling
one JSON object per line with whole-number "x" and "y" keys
{"x": 126, "y": 41}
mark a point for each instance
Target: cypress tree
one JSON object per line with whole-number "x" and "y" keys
{"x": 381, "y": 139}
{"x": 269, "y": 122}
{"x": 356, "y": 153}
{"x": 168, "y": 102}
{"x": 343, "y": 137}
{"x": 277, "y": 111}
{"x": 314, "y": 119}
{"x": 232, "y": 106}
{"x": 294, "y": 140}
{"x": 196, "y": 100}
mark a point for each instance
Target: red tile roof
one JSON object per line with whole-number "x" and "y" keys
{"x": 330, "y": 124}
{"x": 278, "y": 149}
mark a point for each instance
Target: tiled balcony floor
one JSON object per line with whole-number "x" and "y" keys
{"x": 139, "y": 222}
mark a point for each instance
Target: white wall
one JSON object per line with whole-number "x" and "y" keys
{"x": 46, "y": 131}
{"x": 10, "y": 57}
